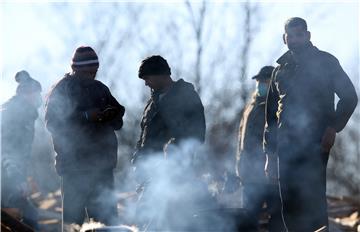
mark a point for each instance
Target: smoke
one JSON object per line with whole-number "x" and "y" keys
{"x": 174, "y": 192}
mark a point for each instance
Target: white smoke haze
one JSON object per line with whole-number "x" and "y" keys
{"x": 196, "y": 181}
{"x": 174, "y": 193}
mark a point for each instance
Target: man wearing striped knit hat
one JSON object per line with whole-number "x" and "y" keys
{"x": 82, "y": 116}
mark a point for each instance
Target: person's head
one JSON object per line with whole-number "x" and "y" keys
{"x": 263, "y": 80}
{"x": 296, "y": 35}
{"x": 28, "y": 88}
{"x": 85, "y": 62}
{"x": 155, "y": 71}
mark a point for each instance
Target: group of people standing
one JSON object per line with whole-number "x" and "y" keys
{"x": 285, "y": 135}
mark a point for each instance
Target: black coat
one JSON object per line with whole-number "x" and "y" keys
{"x": 79, "y": 143}
{"x": 299, "y": 108}
{"x": 250, "y": 155}
{"x": 177, "y": 114}
{"x": 300, "y": 102}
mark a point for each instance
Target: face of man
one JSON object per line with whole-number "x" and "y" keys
{"x": 92, "y": 74}
{"x": 296, "y": 38}
{"x": 154, "y": 81}
{"x": 262, "y": 87}
{"x": 87, "y": 74}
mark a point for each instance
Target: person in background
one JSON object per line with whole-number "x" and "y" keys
{"x": 250, "y": 158}
{"x": 17, "y": 134}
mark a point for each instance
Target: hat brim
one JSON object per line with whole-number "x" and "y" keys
{"x": 261, "y": 77}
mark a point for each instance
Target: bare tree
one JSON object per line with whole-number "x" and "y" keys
{"x": 198, "y": 28}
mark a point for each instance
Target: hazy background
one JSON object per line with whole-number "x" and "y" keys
{"x": 218, "y": 46}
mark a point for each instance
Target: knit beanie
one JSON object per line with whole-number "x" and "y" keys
{"x": 154, "y": 65}
{"x": 26, "y": 83}
{"x": 85, "y": 59}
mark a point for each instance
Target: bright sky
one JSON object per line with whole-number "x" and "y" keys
{"x": 24, "y": 35}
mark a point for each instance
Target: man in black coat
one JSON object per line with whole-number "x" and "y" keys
{"x": 174, "y": 113}
{"x": 250, "y": 158}
{"x": 302, "y": 123}
{"x": 173, "y": 117}
{"x": 82, "y": 117}
{"x": 17, "y": 135}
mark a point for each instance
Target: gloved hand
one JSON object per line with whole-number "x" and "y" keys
{"x": 94, "y": 115}
{"x": 109, "y": 113}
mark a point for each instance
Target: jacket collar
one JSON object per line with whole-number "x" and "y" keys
{"x": 290, "y": 57}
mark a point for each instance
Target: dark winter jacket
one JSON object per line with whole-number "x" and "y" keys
{"x": 79, "y": 143}
{"x": 17, "y": 135}
{"x": 176, "y": 114}
{"x": 300, "y": 102}
{"x": 250, "y": 155}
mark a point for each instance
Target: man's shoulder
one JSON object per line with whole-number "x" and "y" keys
{"x": 326, "y": 57}
{"x": 184, "y": 87}
{"x": 62, "y": 82}
{"x": 98, "y": 84}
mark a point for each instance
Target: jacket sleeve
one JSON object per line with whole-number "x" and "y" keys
{"x": 345, "y": 90}
{"x": 57, "y": 109}
{"x": 117, "y": 122}
{"x": 270, "y": 132}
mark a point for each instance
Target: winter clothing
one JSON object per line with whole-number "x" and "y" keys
{"x": 82, "y": 116}
{"x": 169, "y": 118}
{"x": 251, "y": 163}
{"x": 299, "y": 108}
{"x": 177, "y": 113}
{"x": 17, "y": 135}
{"x": 85, "y": 59}
{"x": 250, "y": 156}
{"x": 81, "y": 143}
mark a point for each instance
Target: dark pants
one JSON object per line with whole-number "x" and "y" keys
{"x": 93, "y": 191}
{"x": 255, "y": 195}
{"x": 303, "y": 189}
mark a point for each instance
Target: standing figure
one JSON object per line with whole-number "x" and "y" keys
{"x": 82, "y": 117}
{"x": 17, "y": 136}
{"x": 302, "y": 122}
{"x": 174, "y": 111}
{"x": 257, "y": 189}
{"x": 173, "y": 117}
